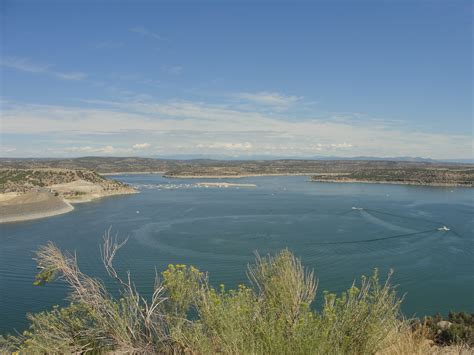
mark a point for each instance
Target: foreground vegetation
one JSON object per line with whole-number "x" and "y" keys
{"x": 274, "y": 315}
{"x": 458, "y": 327}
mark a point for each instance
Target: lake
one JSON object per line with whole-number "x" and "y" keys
{"x": 219, "y": 229}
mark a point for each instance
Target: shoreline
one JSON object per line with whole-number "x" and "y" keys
{"x": 38, "y": 215}
{"x": 232, "y": 176}
{"x": 33, "y": 205}
{"x": 411, "y": 183}
{"x": 96, "y": 196}
{"x": 131, "y": 173}
{"x": 223, "y": 184}
{"x": 42, "y": 203}
{"x": 353, "y": 181}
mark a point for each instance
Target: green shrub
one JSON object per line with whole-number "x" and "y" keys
{"x": 274, "y": 314}
{"x": 458, "y": 328}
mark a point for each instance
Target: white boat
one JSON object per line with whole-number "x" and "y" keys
{"x": 444, "y": 229}
{"x": 357, "y": 208}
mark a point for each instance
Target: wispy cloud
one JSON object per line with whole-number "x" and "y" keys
{"x": 88, "y": 149}
{"x": 24, "y": 64}
{"x": 140, "y": 146}
{"x": 268, "y": 98}
{"x": 185, "y": 127}
{"x": 108, "y": 45}
{"x": 105, "y": 149}
{"x": 7, "y": 149}
{"x": 136, "y": 78}
{"x": 145, "y": 32}
{"x": 71, "y": 76}
{"x": 228, "y": 146}
{"x": 172, "y": 69}
{"x": 333, "y": 146}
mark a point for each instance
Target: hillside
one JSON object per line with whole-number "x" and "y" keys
{"x": 98, "y": 164}
{"x": 403, "y": 172}
{"x": 410, "y": 176}
{"x": 36, "y": 193}
{"x": 32, "y": 205}
{"x": 24, "y": 180}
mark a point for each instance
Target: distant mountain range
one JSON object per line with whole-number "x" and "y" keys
{"x": 191, "y": 157}
{"x": 266, "y": 157}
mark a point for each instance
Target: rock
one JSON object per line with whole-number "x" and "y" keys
{"x": 444, "y": 324}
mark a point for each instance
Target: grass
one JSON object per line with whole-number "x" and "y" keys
{"x": 273, "y": 314}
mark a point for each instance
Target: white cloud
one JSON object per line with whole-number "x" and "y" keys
{"x": 24, "y": 64}
{"x": 145, "y": 32}
{"x": 269, "y": 98}
{"x": 319, "y": 147}
{"x": 71, "y": 76}
{"x": 184, "y": 127}
{"x": 7, "y": 149}
{"x": 228, "y": 146}
{"x": 88, "y": 149}
{"x": 97, "y": 150}
{"x": 341, "y": 145}
{"x": 140, "y": 146}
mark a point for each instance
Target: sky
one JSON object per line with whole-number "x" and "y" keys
{"x": 236, "y": 79}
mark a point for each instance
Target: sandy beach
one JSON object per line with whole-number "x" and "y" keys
{"x": 85, "y": 191}
{"x": 54, "y": 200}
{"x": 32, "y": 205}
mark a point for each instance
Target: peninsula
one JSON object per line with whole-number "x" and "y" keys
{"x": 37, "y": 193}
{"x": 409, "y": 176}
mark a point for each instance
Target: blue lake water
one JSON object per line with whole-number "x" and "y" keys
{"x": 219, "y": 229}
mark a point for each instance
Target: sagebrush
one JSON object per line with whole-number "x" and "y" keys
{"x": 273, "y": 314}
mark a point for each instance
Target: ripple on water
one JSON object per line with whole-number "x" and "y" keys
{"x": 218, "y": 231}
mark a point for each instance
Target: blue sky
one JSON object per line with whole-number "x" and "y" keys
{"x": 237, "y": 78}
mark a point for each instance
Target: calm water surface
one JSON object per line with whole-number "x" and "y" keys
{"x": 218, "y": 230}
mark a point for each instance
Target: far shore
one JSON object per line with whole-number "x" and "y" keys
{"x": 344, "y": 180}
{"x": 223, "y": 184}
{"x": 232, "y": 176}
{"x": 131, "y": 173}
{"x": 412, "y": 183}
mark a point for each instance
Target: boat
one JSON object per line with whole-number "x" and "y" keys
{"x": 444, "y": 229}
